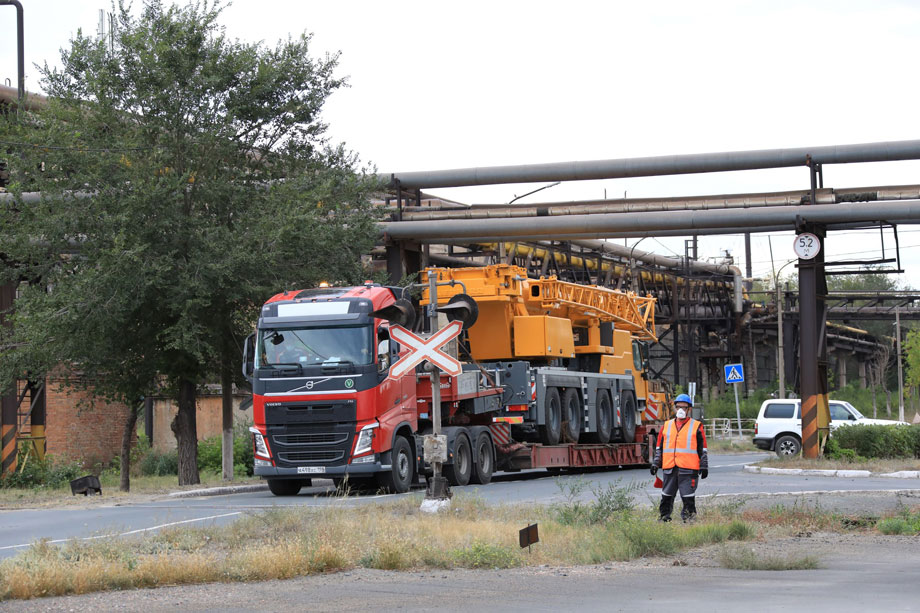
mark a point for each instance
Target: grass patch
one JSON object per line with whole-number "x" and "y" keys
{"x": 906, "y": 522}
{"x": 744, "y": 558}
{"x": 726, "y": 445}
{"x": 283, "y": 543}
{"x": 876, "y": 465}
{"x": 11, "y": 498}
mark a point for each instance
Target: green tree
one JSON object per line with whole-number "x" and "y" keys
{"x": 183, "y": 178}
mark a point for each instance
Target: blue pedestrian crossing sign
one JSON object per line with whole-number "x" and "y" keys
{"x": 734, "y": 373}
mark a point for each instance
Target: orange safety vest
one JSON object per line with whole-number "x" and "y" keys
{"x": 679, "y": 446}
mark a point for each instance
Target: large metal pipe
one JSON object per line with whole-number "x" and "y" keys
{"x": 650, "y": 258}
{"x": 20, "y": 46}
{"x": 31, "y": 102}
{"x": 601, "y": 235}
{"x": 621, "y": 224}
{"x": 659, "y": 165}
{"x": 637, "y": 205}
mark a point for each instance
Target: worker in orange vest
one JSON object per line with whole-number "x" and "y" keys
{"x": 681, "y": 452}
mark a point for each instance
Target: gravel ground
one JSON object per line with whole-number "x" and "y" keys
{"x": 875, "y": 557}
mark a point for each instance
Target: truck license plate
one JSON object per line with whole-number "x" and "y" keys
{"x": 301, "y": 470}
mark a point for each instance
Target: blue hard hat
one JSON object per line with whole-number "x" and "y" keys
{"x": 684, "y": 398}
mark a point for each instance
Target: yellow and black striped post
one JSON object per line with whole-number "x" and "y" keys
{"x": 9, "y": 401}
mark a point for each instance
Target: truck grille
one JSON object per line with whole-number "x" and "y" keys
{"x": 311, "y": 433}
{"x": 311, "y": 456}
{"x": 319, "y": 438}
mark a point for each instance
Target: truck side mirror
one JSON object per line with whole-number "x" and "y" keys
{"x": 383, "y": 355}
{"x": 249, "y": 356}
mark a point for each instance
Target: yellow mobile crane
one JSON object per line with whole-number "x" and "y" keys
{"x": 564, "y": 330}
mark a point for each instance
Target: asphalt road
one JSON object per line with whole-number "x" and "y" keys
{"x": 20, "y": 528}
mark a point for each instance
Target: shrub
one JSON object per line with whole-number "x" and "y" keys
{"x": 49, "y": 473}
{"x": 160, "y": 464}
{"x": 614, "y": 499}
{"x": 833, "y": 451}
{"x": 486, "y": 555}
{"x": 209, "y": 452}
{"x": 878, "y": 441}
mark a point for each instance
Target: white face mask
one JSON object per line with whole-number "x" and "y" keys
{"x": 681, "y": 413}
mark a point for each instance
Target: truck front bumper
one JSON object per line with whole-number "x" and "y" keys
{"x": 321, "y": 472}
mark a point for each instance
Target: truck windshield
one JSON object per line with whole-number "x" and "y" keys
{"x": 314, "y": 346}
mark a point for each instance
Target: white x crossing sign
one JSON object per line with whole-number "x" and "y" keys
{"x": 734, "y": 373}
{"x": 426, "y": 349}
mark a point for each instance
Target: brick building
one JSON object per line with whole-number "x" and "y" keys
{"x": 88, "y": 429}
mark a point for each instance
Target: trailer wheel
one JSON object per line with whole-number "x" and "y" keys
{"x": 571, "y": 415}
{"x": 551, "y": 431}
{"x": 458, "y": 472}
{"x": 284, "y": 487}
{"x": 485, "y": 461}
{"x": 626, "y": 433}
{"x": 604, "y": 419}
{"x": 398, "y": 479}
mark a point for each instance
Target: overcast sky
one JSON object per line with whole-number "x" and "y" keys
{"x": 437, "y": 85}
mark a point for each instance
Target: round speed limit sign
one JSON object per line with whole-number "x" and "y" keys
{"x": 806, "y": 245}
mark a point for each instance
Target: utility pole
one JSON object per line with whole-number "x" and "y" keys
{"x": 780, "y": 359}
{"x": 897, "y": 324}
{"x": 438, "y": 494}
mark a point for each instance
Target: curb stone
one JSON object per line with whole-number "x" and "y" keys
{"x": 219, "y": 491}
{"x": 809, "y": 472}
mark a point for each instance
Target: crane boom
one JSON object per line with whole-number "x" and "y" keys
{"x": 627, "y": 310}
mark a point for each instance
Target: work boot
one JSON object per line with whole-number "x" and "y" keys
{"x": 665, "y": 508}
{"x": 688, "y": 513}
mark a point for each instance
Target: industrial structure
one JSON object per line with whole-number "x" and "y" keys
{"x": 706, "y": 315}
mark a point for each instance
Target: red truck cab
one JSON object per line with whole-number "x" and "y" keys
{"x": 324, "y": 404}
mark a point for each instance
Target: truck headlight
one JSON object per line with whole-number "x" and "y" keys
{"x": 259, "y": 441}
{"x": 365, "y": 439}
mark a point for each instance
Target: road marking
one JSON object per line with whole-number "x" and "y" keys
{"x": 727, "y": 465}
{"x": 130, "y": 532}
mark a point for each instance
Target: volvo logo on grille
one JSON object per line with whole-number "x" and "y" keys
{"x": 308, "y": 385}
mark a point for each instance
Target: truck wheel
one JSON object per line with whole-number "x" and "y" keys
{"x": 398, "y": 479}
{"x": 458, "y": 472}
{"x": 284, "y": 487}
{"x": 604, "y": 419}
{"x": 485, "y": 464}
{"x": 626, "y": 433}
{"x": 551, "y": 431}
{"x": 571, "y": 415}
{"x": 787, "y": 446}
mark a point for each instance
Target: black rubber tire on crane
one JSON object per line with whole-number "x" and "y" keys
{"x": 572, "y": 415}
{"x": 484, "y": 465}
{"x": 458, "y": 472}
{"x": 626, "y": 433}
{"x": 551, "y": 431}
{"x": 604, "y": 419}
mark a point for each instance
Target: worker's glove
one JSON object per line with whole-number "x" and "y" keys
{"x": 654, "y": 470}
{"x": 704, "y": 473}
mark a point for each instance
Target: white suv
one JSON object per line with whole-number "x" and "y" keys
{"x": 779, "y": 423}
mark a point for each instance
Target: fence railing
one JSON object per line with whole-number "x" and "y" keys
{"x": 723, "y": 427}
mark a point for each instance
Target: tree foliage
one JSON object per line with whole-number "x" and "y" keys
{"x": 183, "y": 177}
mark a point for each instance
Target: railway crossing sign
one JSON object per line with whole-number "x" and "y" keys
{"x": 426, "y": 349}
{"x": 734, "y": 373}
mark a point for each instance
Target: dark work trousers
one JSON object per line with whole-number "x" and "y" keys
{"x": 684, "y": 480}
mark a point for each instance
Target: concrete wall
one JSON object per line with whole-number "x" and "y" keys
{"x": 208, "y": 415}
